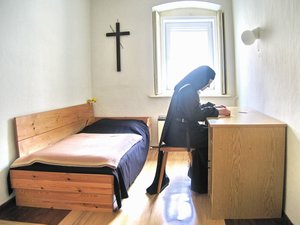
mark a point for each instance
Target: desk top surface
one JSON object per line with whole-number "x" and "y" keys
{"x": 244, "y": 116}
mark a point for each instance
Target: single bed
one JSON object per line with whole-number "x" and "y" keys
{"x": 75, "y": 186}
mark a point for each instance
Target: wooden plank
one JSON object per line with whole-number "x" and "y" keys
{"x": 174, "y": 149}
{"x": 70, "y": 206}
{"x": 6, "y": 222}
{"x": 38, "y": 123}
{"x": 60, "y": 176}
{"x": 73, "y": 187}
{"x": 38, "y": 142}
{"x": 60, "y": 182}
{"x": 39, "y": 130}
{"x": 52, "y": 196}
{"x": 52, "y": 203}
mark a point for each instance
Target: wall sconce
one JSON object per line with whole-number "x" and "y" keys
{"x": 249, "y": 36}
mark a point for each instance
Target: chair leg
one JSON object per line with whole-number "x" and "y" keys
{"x": 162, "y": 171}
{"x": 190, "y": 158}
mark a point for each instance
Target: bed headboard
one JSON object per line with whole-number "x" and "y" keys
{"x": 39, "y": 130}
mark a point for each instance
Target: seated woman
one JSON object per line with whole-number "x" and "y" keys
{"x": 182, "y": 128}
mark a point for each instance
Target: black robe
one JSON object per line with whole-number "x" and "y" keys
{"x": 182, "y": 129}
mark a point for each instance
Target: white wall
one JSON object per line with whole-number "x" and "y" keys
{"x": 44, "y": 63}
{"x": 268, "y": 75}
{"x": 127, "y": 92}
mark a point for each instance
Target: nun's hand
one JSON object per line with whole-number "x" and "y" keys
{"x": 223, "y": 111}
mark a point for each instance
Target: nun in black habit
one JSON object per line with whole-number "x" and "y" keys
{"x": 182, "y": 128}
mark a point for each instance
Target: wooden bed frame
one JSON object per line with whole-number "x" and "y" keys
{"x": 73, "y": 191}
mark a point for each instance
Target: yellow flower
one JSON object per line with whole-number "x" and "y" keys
{"x": 91, "y": 100}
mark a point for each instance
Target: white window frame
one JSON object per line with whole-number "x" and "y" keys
{"x": 194, "y": 11}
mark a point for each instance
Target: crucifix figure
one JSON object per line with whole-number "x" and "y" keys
{"x": 118, "y": 34}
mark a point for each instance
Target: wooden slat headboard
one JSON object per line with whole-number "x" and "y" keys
{"x": 39, "y": 130}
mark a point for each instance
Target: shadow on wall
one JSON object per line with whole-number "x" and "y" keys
{"x": 9, "y": 156}
{"x": 11, "y": 141}
{"x": 291, "y": 163}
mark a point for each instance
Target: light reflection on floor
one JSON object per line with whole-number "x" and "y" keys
{"x": 178, "y": 204}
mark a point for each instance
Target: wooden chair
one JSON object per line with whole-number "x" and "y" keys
{"x": 170, "y": 149}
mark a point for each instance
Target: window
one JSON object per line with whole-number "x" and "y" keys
{"x": 187, "y": 36}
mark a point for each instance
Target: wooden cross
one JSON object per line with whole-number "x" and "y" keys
{"x": 118, "y": 34}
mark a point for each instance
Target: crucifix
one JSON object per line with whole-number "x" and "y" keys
{"x": 118, "y": 34}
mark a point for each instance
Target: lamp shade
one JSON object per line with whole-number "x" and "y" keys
{"x": 249, "y": 36}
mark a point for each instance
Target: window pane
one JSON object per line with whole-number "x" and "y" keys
{"x": 188, "y": 45}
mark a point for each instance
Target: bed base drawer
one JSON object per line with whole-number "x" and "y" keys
{"x": 72, "y": 191}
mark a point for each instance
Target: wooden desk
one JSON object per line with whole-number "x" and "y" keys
{"x": 246, "y": 175}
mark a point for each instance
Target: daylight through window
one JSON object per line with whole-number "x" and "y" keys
{"x": 185, "y": 38}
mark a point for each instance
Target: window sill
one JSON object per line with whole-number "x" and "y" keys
{"x": 201, "y": 96}
{"x": 229, "y": 100}
{"x": 160, "y": 96}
